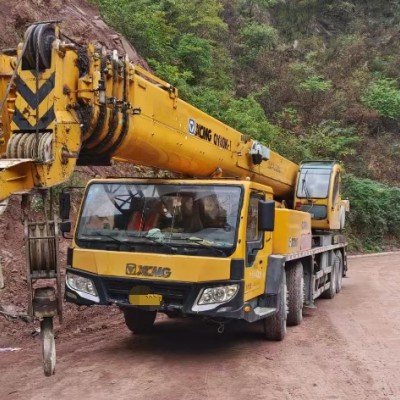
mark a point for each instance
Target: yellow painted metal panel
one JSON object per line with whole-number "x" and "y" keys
{"x": 152, "y": 266}
{"x": 292, "y": 231}
{"x": 17, "y": 176}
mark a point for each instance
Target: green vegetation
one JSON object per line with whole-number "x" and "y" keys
{"x": 383, "y": 96}
{"x": 312, "y": 78}
{"x": 375, "y": 213}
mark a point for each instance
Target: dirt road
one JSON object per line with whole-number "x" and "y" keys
{"x": 347, "y": 348}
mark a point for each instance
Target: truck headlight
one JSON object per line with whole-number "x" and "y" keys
{"x": 219, "y": 294}
{"x": 81, "y": 284}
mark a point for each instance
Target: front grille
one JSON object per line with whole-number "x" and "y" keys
{"x": 119, "y": 289}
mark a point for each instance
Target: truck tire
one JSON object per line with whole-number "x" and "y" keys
{"x": 139, "y": 321}
{"x": 339, "y": 270}
{"x": 275, "y": 326}
{"x": 330, "y": 293}
{"x": 295, "y": 287}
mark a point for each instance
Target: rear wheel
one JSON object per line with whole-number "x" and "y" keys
{"x": 275, "y": 326}
{"x": 139, "y": 321}
{"x": 339, "y": 270}
{"x": 295, "y": 287}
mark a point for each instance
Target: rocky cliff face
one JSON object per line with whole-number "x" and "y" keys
{"x": 80, "y": 22}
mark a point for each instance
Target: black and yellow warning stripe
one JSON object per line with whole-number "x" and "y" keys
{"x": 30, "y": 102}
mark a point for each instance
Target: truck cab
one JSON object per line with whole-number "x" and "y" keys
{"x": 172, "y": 246}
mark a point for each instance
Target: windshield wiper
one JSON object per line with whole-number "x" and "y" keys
{"x": 304, "y": 187}
{"x": 159, "y": 241}
{"x": 109, "y": 236}
{"x": 202, "y": 243}
{"x": 119, "y": 241}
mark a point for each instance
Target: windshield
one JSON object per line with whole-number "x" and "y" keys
{"x": 314, "y": 183}
{"x": 167, "y": 216}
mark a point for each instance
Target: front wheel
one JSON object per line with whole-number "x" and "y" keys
{"x": 275, "y": 326}
{"x": 139, "y": 321}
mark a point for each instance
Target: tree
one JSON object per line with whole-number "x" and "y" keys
{"x": 143, "y": 23}
{"x": 195, "y": 54}
{"x": 383, "y": 96}
{"x": 199, "y": 17}
{"x": 256, "y": 37}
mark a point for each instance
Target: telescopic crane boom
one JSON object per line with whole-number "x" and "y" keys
{"x": 79, "y": 105}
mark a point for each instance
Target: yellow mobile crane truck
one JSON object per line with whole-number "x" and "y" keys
{"x": 243, "y": 233}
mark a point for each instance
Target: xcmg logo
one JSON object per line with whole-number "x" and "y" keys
{"x": 148, "y": 270}
{"x": 205, "y": 133}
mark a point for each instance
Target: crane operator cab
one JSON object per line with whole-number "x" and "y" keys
{"x": 318, "y": 192}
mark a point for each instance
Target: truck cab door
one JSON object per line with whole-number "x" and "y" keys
{"x": 256, "y": 252}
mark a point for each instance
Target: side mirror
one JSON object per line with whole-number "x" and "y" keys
{"x": 65, "y": 227}
{"x": 266, "y": 216}
{"x": 65, "y": 205}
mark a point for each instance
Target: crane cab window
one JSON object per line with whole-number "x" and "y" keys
{"x": 314, "y": 183}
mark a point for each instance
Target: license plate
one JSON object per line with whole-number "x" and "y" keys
{"x": 145, "y": 299}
